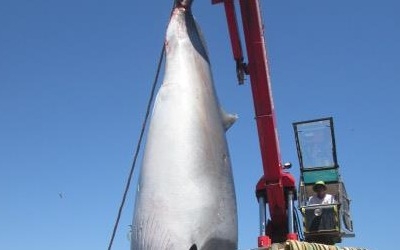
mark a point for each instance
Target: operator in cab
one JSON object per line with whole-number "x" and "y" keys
{"x": 321, "y": 197}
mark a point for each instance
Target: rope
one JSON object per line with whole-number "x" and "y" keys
{"x": 138, "y": 145}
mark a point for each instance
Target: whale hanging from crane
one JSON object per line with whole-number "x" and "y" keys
{"x": 185, "y": 196}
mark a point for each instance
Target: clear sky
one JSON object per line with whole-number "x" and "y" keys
{"x": 74, "y": 81}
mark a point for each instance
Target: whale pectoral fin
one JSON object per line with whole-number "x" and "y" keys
{"x": 193, "y": 247}
{"x": 228, "y": 119}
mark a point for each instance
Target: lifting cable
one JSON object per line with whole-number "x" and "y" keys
{"x": 139, "y": 143}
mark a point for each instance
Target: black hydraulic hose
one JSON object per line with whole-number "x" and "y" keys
{"x": 298, "y": 225}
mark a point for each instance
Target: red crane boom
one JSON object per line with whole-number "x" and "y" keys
{"x": 276, "y": 187}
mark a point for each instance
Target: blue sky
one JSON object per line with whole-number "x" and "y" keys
{"x": 74, "y": 80}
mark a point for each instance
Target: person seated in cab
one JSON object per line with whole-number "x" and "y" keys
{"x": 320, "y": 197}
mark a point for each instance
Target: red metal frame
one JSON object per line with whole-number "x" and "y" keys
{"x": 274, "y": 184}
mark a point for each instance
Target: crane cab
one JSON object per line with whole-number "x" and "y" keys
{"x": 323, "y": 223}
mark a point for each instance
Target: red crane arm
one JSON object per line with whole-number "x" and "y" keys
{"x": 274, "y": 184}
